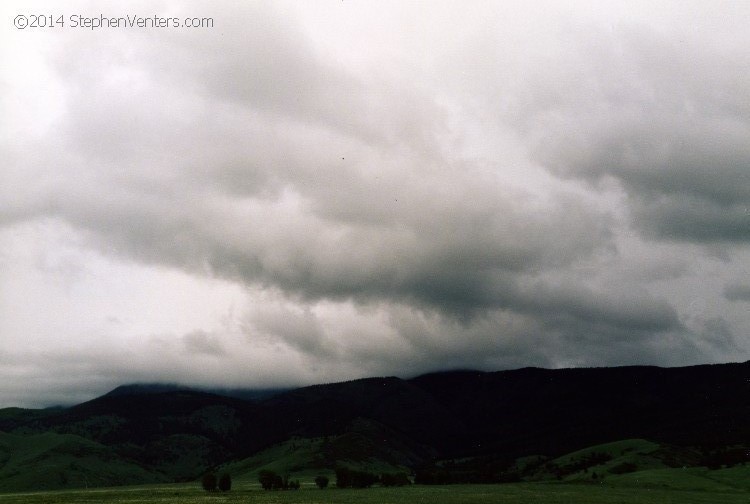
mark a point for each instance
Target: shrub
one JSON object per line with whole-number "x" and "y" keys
{"x": 321, "y": 481}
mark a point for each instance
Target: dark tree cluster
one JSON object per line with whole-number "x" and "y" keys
{"x": 577, "y": 465}
{"x": 349, "y": 478}
{"x": 587, "y": 461}
{"x": 208, "y": 482}
{"x": 432, "y": 476}
{"x": 623, "y": 468}
{"x": 394, "y": 479}
{"x": 269, "y": 480}
{"x": 225, "y": 482}
{"x": 489, "y": 469}
{"x": 211, "y": 483}
{"x": 442, "y": 476}
{"x": 725, "y": 457}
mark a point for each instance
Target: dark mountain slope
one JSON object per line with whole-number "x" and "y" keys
{"x": 253, "y": 395}
{"x": 324, "y": 409}
{"x": 554, "y": 411}
{"x": 174, "y": 435}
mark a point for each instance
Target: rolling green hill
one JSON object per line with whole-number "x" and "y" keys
{"x": 305, "y": 458}
{"x": 604, "y": 461}
{"x": 51, "y": 461}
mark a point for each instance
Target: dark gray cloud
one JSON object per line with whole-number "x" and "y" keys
{"x": 663, "y": 118}
{"x": 737, "y": 292}
{"x": 313, "y": 203}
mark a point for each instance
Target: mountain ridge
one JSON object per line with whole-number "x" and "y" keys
{"x": 175, "y": 432}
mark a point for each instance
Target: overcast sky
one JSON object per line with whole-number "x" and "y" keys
{"x": 310, "y": 192}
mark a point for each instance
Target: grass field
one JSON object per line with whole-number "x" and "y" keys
{"x": 456, "y": 494}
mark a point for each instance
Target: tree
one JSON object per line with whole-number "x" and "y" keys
{"x": 225, "y": 482}
{"x": 208, "y": 482}
{"x": 321, "y": 481}
{"x": 269, "y": 480}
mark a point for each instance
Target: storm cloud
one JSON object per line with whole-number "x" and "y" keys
{"x": 665, "y": 119}
{"x": 298, "y": 195}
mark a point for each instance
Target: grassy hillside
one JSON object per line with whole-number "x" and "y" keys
{"x": 304, "y": 458}
{"x": 51, "y": 461}
{"x": 600, "y": 461}
{"x": 630, "y": 463}
{"x": 298, "y": 458}
{"x": 689, "y": 478}
{"x": 59, "y": 461}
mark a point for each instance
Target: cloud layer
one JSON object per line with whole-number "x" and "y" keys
{"x": 296, "y": 196}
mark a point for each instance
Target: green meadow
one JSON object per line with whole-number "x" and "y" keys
{"x": 521, "y": 493}
{"x": 39, "y": 459}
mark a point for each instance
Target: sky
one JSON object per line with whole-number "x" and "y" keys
{"x": 308, "y": 192}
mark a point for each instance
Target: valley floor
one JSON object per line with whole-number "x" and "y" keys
{"x": 522, "y": 493}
